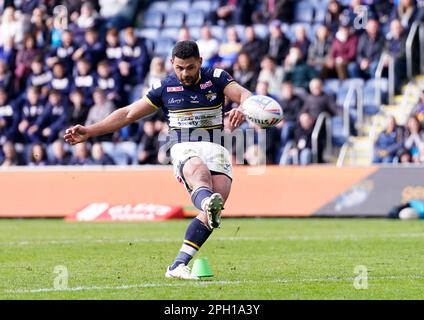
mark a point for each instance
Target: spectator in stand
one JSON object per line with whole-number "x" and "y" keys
{"x": 245, "y": 72}
{"x": 84, "y": 80}
{"x": 11, "y": 26}
{"x": 8, "y": 52}
{"x": 318, "y": 101}
{"x": 99, "y": 157}
{"x": 135, "y": 57}
{"x": 301, "y": 40}
{"x": 298, "y": 71}
{"x": 100, "y": 110}
{"x": 272, "y": 74}
{"x": 262, "y": 88}
{"x": 92, "y": 49}
{"x": 63, "y": 53}
{"x": 87, "y": 18}
{"x": 118, "y": 13}
{"x": 60, "y": 81}
{"x": 40, "y": 26}
{"x": 156, "y": 73}
{"x": 414, "y": 138}
{"x": 149, "y": 144}
{"x": 80, "y": 156}
{"x": 184, "y": 34}
{"x": 396, "y": 48}
{"x": 39, "y": 76}
{"x": 78, "y": 110}
{"x": 234, "y": 12}
{"x": 9, "y": 118}
{"x": 31, "y": 108}
{"x": 332, "y": 17}
{"x": 368, "y": 53}
{"x": 319, "y": 50}
{"x": 405, "y": 12}
{"x": 109, "y": 82}
{"x": 60, "y": 156}
{"x": 113, "y": 48}
{"x": 277, "y": 42}
{"x": 388, "y": 143}
{"x": 271, "y": 10}
{"x": 6, "y": 78}
{"x": 229, "y": 49}
{"x": 9, "y": 156}
{"x": 52, "y": 121}
{"x": 208, "y": 47}
{"x": 37, "y": 156}
{"x": 419, "y": 109}
{"x": 300, "y": 151}
{"x": 292, "y": 105}
{"x": 342, "y": 53}
{"x": 24, "y": 59}
{"x": 255, "y": 47}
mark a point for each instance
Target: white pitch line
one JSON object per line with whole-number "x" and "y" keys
{"x": 234, "y": 238}
{"x": 206, "y": 283}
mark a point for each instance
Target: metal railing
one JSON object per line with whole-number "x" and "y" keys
{"x": 323, "y": 118}
{"x": 343, "y": 153}
{"x": 416, "y": 28}
{"x": 385, "y": 57}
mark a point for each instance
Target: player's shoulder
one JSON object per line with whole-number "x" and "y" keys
{"x": 213, "y": 72}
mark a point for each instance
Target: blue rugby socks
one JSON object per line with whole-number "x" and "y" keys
{"x": 199, "y": 195}
{"x": 196, "y": 235}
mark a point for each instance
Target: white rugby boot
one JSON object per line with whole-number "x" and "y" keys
{"x": 213, "y": 206}
{"x": 180, "y": 272}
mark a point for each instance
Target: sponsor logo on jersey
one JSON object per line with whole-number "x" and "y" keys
{"x": 175, "y": 101}
{"x": 217, "y": 72}
{"x": 205, "y": 85}
{"x": 194, "y": 99}
{"x": 211, "y": 96}
{"x": 175, "y": 89}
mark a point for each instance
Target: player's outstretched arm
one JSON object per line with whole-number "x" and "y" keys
{"x": 238, "y": 94}
{"x": 115, "y": 121}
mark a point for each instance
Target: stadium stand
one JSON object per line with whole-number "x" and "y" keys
{"x": 39, "y": 55}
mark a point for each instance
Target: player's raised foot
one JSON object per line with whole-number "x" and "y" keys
{"x": 213, "y": 206}
{"x": 180, "y": 272}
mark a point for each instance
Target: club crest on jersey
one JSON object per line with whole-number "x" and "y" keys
{"x": 175, "y": 89}
{"x": 211, "y": 96}
{"x": 205, "y": 85}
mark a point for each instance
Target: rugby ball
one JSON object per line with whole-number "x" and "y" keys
{"x": 262, "y": 110}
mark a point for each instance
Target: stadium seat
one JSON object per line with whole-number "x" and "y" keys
{"x": 148, "y": 33}
{"x": 181, "y": 5}
{"x": 125, "y": 153}
{"x": 371, "y": 89}
{"x": 303, "y": 12}
{"x": 261, "y": 30}
{"x": 169, "y": 33}
{"x": 195, "y": 18}
{"x": 331, "y": 86}
{"x": 320, "y": 13}
{"x": 161, "y": 6}
{"x": 205, "y": 6}
{"x": 337, "y": 134}
{"x": 195, "y": 33}
{"x": 174, "y": 19}
{"x": 153, "y": 19}
{"x": 240, "y": 31}
{"x": 218, "y": 32}
{"x": 163, "y": 47}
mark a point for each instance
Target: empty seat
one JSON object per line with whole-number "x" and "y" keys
{"x": 180, "y": 5}
{"x": 195, "y": 18}
{"x": 218, "y": 32}
{"x": 195, "y": 32}
{"x": 303, "y": 12}
{"x": 331, "y": 86}
{"x": 174, "y": 19}
{"x": 163, "y": 47}
{"x": 205, "y": 6}
{"x": 169, "y": 33}
{"x": 148, "y": 33}
{"x": 375, "y": 94}
{"x": 153, "y": 19}
{"x": 261, "y": 30}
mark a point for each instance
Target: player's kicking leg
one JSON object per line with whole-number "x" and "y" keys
{"x": 209, "y": 195}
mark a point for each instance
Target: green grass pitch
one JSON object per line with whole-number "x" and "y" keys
{"x": 250, "y": 258}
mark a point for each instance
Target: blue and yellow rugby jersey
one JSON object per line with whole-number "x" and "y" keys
{"x": 188, "y": 108}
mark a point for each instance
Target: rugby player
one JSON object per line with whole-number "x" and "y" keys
{"x": 192, "y": 99}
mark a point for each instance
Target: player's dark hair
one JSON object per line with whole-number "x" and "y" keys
{"x": 185, "y": 50}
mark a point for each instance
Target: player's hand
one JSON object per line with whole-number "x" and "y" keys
{"x": 76, "y": 134}
{"x": 236, "y": 117}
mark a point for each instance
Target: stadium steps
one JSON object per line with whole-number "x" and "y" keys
{"x": 359, "y": 150}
